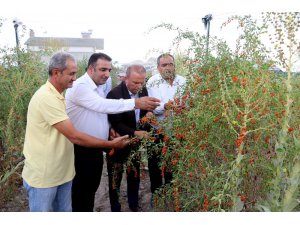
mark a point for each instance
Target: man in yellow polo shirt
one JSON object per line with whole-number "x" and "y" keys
{"x": 48, "y": 149}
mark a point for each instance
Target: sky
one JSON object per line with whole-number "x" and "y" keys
{"x": 123, "y": 24}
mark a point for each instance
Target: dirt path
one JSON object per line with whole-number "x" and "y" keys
{"x": 102, "y": 200}
{"x": 20, "y": 203}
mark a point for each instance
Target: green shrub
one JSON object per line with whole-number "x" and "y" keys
{"x": 18, "y": 83}
{"x": 235, "y": 144}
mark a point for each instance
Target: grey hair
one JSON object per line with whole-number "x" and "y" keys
{"x": 59, "y": 61}
{"x": 135, "y": 68}
{"x": 164, "y": 55}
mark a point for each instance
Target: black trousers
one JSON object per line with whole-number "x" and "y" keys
{"x": 115, "y": 169}
{"x": 154, "y": 165}
{"x": 88, "y": 168}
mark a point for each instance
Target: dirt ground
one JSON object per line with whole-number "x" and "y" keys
{"x": 20, "y": 203}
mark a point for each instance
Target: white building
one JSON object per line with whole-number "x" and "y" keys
{"x": 80, "y": 48}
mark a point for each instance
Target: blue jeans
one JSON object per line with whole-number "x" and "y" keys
{"x": 53, "y": 199}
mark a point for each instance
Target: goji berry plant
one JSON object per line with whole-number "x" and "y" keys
{"x": 234, "y": 142}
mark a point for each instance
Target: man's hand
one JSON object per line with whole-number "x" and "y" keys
{"x": 150, "y": 115}
{"x": 149, "y": 118}
{"x": 146, "y": 103}
{"x": 113, "y": 134}
{"x": 120, "y": 142}
{"x": 141, "y": 134}
{"x": 170, "y": 105}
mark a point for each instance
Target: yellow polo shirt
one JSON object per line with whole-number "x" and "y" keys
{"x": 49, "y": 155}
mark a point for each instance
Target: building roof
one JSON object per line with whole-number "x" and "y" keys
{"x": 97, "y": 43}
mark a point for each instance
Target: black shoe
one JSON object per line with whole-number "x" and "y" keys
{"x": 135, "y": 209}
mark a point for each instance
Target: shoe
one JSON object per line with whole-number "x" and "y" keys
{"x": 135, "y": 209}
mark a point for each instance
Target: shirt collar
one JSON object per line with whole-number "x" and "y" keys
{"x": 90, "y": 81}
{"x": 132, "y": 95}
{"x": 54, "y": 91}
{"x": 164, "y": 81}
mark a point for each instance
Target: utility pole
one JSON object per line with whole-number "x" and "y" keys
{"x": 16, "y": 23}
{"x": 206, "y": 20}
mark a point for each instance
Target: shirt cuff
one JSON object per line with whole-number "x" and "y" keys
{"x": 131, "y": 103}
